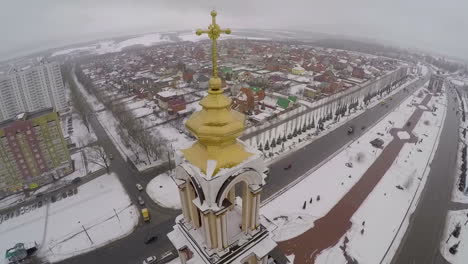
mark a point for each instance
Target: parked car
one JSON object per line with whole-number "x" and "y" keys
{"x": 141, "y": 201}
{"x": 377, "y": 143}
{"x": 149, "y": 260}
{"x": 70, "y": 192}
{"x": 111, "y": 157}
{"x": 39, "y": 204}
{"x": 76, "y": 180}
{"x": 350, "y": 130}
{"x": 150, "y": 239}
{"x": 139, "y": 187}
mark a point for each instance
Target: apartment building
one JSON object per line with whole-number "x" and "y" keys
{"x": 33, "y": 151}
{"x": 30, "y": 89}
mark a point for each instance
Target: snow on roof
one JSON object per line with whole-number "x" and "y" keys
{"x": 170, "y": 93}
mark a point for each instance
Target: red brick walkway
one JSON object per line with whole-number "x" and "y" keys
{"x": 328, "y": 230}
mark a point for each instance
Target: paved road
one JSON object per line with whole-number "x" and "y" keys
{"x": 311, "y": 155}
{"x": 420, "y": 244}
{"x": 133, "y": 250}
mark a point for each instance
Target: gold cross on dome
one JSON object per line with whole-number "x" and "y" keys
{"x": 214, "y": 31}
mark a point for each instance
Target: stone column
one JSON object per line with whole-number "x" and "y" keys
{"x": 232, "y": 197}
{"x": 246, "y": 210}
{"x": 206, "y": 226}
{"x": 224, "y": 230}
{"x": 182, "y": 257}
{"x": 213, "y": 229}
{"x": 183, "y": 201}
{"x": 219, "y": 232}
{"x": 192, "y": 208}
{"x": 254, "y": 211}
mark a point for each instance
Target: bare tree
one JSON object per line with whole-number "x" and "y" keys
{"x": 80, "y": 105}
{"x": 98, "y": 156}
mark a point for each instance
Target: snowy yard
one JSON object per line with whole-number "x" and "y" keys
{"x": 455, "y": 218}
{"x": 164, "y": 191}
{"x": 101, "y": 206}
{"x": 78, "y": 133}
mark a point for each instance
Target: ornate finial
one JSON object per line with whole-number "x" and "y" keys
{"x": 216, "y": 125}
{"x": 214, "y": 31}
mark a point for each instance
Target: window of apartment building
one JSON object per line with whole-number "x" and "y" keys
{"x": 28, "y": 132}
{"x": 21, "y": 161}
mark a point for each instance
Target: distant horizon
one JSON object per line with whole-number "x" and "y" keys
{"x": 91, "y": 40}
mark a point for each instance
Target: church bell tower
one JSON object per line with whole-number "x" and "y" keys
{"x": 220, "y": 180}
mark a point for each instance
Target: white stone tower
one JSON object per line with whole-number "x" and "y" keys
{"x": 220, "y": 180}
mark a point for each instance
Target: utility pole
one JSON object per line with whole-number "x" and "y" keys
{"x": 86, "y": 232}
{"x": 116, "y": 214}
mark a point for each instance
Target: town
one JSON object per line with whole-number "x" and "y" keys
{"x": 218, "y": 146}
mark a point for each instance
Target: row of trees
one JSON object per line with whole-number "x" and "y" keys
{"x": 462, "y": 181}
{"x": 340, "y": 111}
{"x": 281, "y": 139}
{"x": 131, "y": 130}
{"x": 80, "y": 105}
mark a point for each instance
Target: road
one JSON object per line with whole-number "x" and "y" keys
{"x": 421, "y": 241}
{"x": 131, "y": 249}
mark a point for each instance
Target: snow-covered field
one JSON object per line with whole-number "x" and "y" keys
{"x": 104, "y": 47}
{"x": 455, "y": 218}
{"x": 164, "y": 191}
{"x": 375, "y": 237}
{"x": 58, "y": 227}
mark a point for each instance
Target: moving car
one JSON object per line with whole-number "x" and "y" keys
{"x": 76, "y": 180}
{"x": 149, "y": 260}
{"x": 150, "y": 239}
{"x": 111, "y": 157}
{"x": 141, "y": 201}
{"x": 350, "y": 130}
{"x": 139, "y": 187}
{"x": 145, "y": 214}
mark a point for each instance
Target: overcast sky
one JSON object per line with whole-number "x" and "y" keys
{"x": 32, "y": 25}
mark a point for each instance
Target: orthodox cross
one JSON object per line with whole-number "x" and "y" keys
{"x": 214, "y": 31}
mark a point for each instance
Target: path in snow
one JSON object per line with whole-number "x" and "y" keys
{"x": 328, "y": 230}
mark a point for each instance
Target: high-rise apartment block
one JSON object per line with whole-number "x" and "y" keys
{"x": 33, "y": 151}
{"x": 31, "y": 89}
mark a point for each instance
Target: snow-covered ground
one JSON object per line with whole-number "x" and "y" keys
{"x": 58, "y": 227}
{"x": 455, "y": 218}
{"x": 332, "y": 180}
{"x": 375, "y": 237}
{"x": 164, "y": 191}
{"x": 79, "y": 133}
{"x": 104, "y": 47}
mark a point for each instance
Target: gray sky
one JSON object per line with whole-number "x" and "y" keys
{"x": 436, "y": 25}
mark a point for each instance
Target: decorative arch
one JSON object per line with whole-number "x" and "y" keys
{"x": 248, "y": 175}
